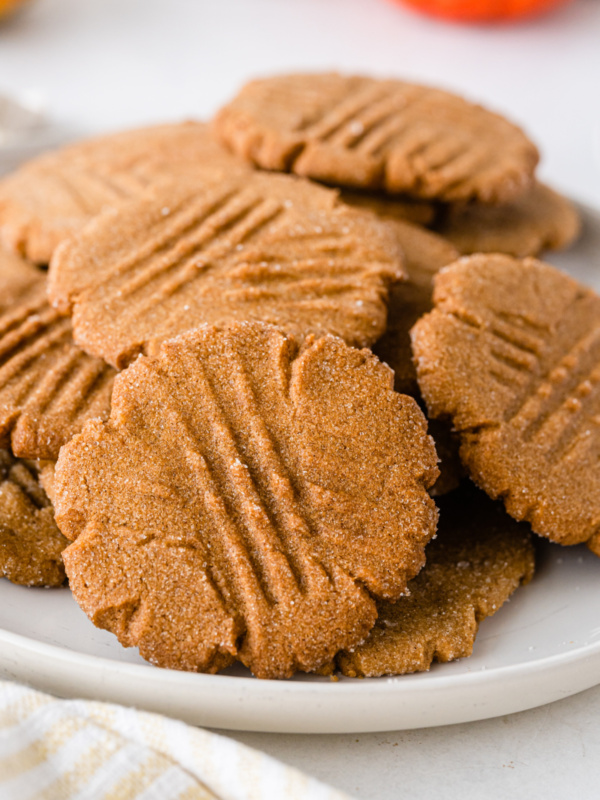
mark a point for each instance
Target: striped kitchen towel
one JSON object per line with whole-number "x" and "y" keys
{"x": 54, "y": 749}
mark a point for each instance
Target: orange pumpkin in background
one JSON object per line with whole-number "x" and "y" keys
{"x": 484, "y": 10}
{"x": 8, "y": 6}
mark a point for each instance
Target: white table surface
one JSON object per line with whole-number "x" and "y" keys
{"x": 105, "y": 64}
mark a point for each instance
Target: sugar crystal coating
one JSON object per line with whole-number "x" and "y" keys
{"x": 48, "y": 386}
{"x": 479, "y": 558}
{"x": 262, "y": 247}
{"x": 30, "y": 543}
{"x": 378, "y": 134}
{"x": 248, "y": 498}
{"x": 511, "y": 354}
{"x": 51, "y": 197}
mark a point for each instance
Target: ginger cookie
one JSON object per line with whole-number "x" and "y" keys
{"x": 378, "y": 134}
{"x": 48, "y": 386}
{"x": 511, "y": 354}
{"x": 478, "y": 559}
{"x": 424, "y": 254}
{"x": 247, "y": 499}
{"x": 30, "y": 543}
{"x": 53, "y": 196}
{"x": 539, "y": 219}
{"x": 393, "y": 209}
{"x": 261, "y": 247}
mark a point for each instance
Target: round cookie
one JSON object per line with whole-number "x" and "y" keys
{"x": 248, "y": 498}
{"x": 48, "y": 386}
{"x": 378, "y": 134}
{"x": 539, "y": 219}
{"x": 511, "y": 354}
{"x": 480, "y": 556}
{"x": 261, "y": 247}
{"x": 30, "y": 543}
{"x": 55, "y": 195}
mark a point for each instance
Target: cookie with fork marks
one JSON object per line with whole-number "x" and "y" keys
{"x": 511, "y": 354}
{"x": 248, "y": 498}
{"x": 356, "y": 131}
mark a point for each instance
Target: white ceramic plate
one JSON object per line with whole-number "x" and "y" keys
{"x": 540, "y": 647}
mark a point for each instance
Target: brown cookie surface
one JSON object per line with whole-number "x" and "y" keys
{"x": 393, "y": 209}
{"x": 248, "y": 498}
{"x": 511, "y": 354}
{"x": 539, "y": 219}
{"x": 30, "y": 543}
{"x": 16, "y": 278}
{"x": 55, "y": 195}
{"x": 424, "y": 254}
{"x": 259, "y": 247}
{"x": 594, "y": 544}
{"x": 48, "y": 386}
{"x": 478, "y": 559}
{"x": 378, "y": 134}
{"x": 46, "y": 470}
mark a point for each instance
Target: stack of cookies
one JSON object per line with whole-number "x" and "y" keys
{"x": 219, "y": 402}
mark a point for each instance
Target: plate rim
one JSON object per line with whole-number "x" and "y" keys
{"x": 344, "y": 685}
